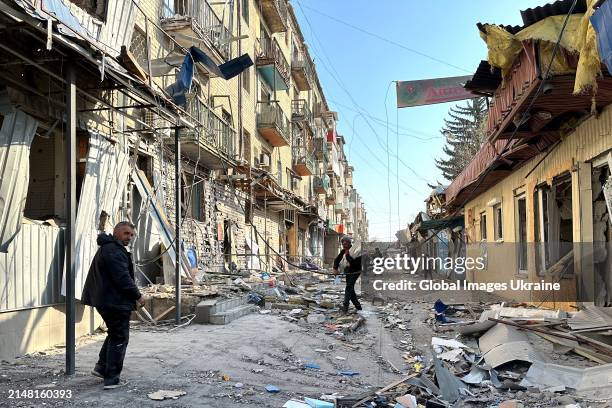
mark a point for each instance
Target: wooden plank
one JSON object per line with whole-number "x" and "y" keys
{"x": 386, "y": 388}
{"x": 131, "y": 64}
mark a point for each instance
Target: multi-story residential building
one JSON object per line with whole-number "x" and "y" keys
{"x": 218, "y": 101}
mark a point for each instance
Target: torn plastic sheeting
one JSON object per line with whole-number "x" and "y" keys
{"x": 602, "y": 23}
{"x": 545, "y": 375}
{"x": 503, "y": 343}
{"x": 106, "y": 174}
{"x": 16, "y": 136}
{"x": 184, "y": 79}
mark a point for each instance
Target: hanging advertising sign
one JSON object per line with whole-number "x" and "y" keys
{"x": 431, "y": 91}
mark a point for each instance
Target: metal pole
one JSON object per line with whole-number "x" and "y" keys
{"x": 70, "y": 216}
{"x": 177, "y": 221}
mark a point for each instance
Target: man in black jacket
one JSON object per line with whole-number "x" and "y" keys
{"x": 111, "y": 289}
{"x": 352, "y": 272}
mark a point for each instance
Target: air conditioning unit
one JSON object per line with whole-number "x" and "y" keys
{"x": 264, "y": 160}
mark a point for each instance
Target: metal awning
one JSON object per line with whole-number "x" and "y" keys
{"x": 449, "y": 222}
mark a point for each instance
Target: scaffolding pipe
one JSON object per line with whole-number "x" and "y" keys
{"x": 177, "y": 221}
{"x": 71, "y": 204}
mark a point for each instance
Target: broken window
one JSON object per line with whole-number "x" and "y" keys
{"x": 521, "y": 232}
{"x": 602, "y": 237}
{"x": 554, "y": 225}
{"x": 96, "y": 8}
{"x": 45, "y": 197}
{"x": 483, "y": 226}
{"x": 497, "y": 222}
{"x": 192, "y": 197}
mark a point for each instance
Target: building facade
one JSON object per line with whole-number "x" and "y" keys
{"x": 223, "y": 95}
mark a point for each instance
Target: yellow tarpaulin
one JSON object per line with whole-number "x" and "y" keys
{"x": 578, "y": 38}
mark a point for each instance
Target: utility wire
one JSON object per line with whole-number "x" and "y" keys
{"x": 362, "y": 111}
{"x": 388, "y": 159}
{"x": 380, "y": 37}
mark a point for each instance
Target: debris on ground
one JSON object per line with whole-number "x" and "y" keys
{"x": 166, "y": 394}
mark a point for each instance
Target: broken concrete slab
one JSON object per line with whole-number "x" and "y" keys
{"x": 161, "y": 395}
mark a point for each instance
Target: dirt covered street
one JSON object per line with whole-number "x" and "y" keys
{"x": 281, "y": 354}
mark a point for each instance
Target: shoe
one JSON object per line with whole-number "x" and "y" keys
{"x": 97, "y": 372}
{"x": 111, "y": 384}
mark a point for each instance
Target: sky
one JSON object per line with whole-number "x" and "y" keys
{"x": 405, "y": 40}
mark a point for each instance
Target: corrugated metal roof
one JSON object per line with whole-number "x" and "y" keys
{"x": 533, "y": 15}
{"x": 485, "y": 80}
{"x": 449, "y": 222}
{"x": 75, "y": 22}
{"x": 16, "y": 136}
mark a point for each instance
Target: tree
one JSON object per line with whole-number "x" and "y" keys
{"x": 464, "y": 132}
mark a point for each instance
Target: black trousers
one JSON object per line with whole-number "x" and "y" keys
{"x": 349, "y": 291}
{"x": 110, "y": 362}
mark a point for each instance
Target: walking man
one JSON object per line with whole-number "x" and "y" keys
{"x": 352, "y": 270}
{"x": 111, "y": 289}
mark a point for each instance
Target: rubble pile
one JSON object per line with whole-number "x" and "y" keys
{"x": 504, "y": 358}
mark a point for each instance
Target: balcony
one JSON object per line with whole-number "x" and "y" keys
{"x": 339, "y": 208}
{"x": 272, "y": 64}
{"x": 303, "y": 162}
{"x": 272, "y": 123}
{"x": 301, "y": 114}
{"x": 214, "y": 144}
{"x": 302, "y": 70}
{"x": 330, "y": 197}
{"x": 321, "y": 150}
{"x": 196, "y": 19}
{"x": 320, "y": 184}
{"x": 275, "y": 14}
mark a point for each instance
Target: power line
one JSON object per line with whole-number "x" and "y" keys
{"x": 336, "y": 76}
{"x": 388, "y": 157}
{"x": 380, "y": 37}
{"x": 362, "y": 111}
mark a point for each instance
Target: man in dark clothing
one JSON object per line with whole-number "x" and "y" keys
{"x": 111, "y": 289}
{"x": 352, "y": 272}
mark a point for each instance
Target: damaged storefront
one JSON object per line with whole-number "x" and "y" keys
{"x": 533, "y": 197}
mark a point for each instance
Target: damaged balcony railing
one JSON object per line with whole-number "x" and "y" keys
{"x": 321, "y": 150}
{"x": 270, "y": 53}
{"x": 206, "y": 23}
{"x": 302, "y": 70}
{"x": 272, "y": 123}
{"x": 215, "y": 132}
{"x": 275, "y": 13}
{"x": 300, "y": 112}
{"x": 303, "y": 161}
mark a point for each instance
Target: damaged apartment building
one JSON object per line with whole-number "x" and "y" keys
{"x": 109, "y": 107}
{"x": 534, "y": 198}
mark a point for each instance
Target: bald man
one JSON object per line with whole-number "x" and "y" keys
{"x": 111, "y": 289}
